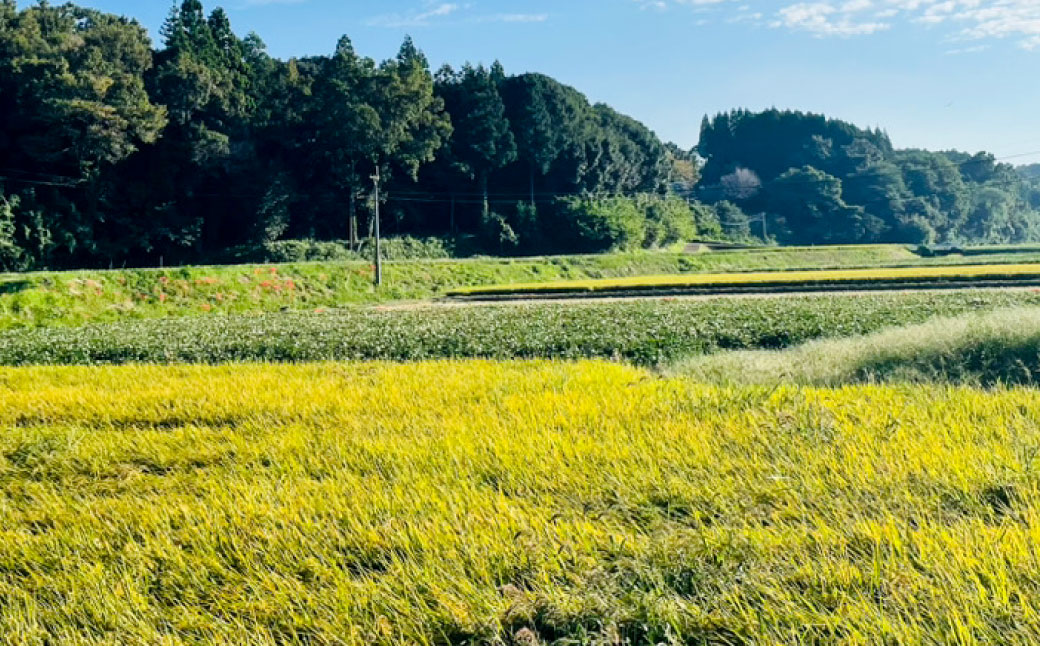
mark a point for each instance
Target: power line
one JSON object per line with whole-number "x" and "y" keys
{"x": 464, "y": 197}
{"x": 33, "y": 182}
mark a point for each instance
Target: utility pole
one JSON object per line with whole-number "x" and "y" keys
{"x": 352, "y": 222}
{"x": 379, "y": 242}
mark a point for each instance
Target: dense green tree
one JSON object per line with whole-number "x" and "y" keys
{"x": 684, "y": 171}
{"x": 483, "y": 142}
{"x": 625, "y": 156}
{"x": 11, "y": 253}
{"x": 114, "y": 153}
{"x": 546, "y": 117}
{"x": 343, "y": 117}
{"x": 732, "y": 220}
{"x": 841, "y": 182}
{"x": 809, "y": 209}
{"x": 74, "y": 106}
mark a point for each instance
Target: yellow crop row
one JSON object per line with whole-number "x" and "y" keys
{"x": 487, "y": 503}
{"x": 769, "y": 278}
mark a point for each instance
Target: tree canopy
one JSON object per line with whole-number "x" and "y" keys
{"x": 116, "y": 152}
{"x": 821, "y": 180}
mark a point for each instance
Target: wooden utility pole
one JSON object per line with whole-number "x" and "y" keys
{"x": 379, "y": 242}
{"x": 352, "y": 223}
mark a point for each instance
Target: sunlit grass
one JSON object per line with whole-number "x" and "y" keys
{"x": 982, "y": 348}
{"x": 48, "y": 299}
{"x": 488, "y": 503}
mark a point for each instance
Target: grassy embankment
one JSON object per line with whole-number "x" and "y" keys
{"x": 73, "y": 298}
{"x": 591, "y": 503}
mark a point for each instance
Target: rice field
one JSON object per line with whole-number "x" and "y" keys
{"x": 483, "y": 502}
{"x": 502, "y": 489}
{"x": 873, "y": 278}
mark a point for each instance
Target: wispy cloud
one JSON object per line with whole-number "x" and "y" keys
{"x": 513, "y": 17}
{"x": 417, "y": 18}
{"x": 431, "y": 13}
{"x": 244, "y": 4}
{"x": 961, "y": 21}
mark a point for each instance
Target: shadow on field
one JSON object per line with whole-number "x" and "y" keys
{"x": 14, "y": 286}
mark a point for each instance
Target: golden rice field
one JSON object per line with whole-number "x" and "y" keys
{"x": 510, "y": 503}
{"x": 920, "y": 276}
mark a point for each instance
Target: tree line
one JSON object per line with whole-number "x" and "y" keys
{"x": 115, "y": 153}
{"x": 813, "y": 180}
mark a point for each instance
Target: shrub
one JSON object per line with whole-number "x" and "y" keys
{"x": 668, "y": 220}
{"x": 602, "y": 224}
{"x": 289, "y": 251}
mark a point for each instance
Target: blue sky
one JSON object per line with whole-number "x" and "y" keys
{"x": 935, "y": 73}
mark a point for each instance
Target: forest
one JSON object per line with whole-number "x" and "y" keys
{"x": 207, "y": 149}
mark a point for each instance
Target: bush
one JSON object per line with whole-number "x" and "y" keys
{"x": 11, "y": 255}
{"x": 733, "y": 220}
{"x": 603, "y": 224}
{"x": 668, "y": 220}
{"x": 410, "y": 248}
{"x": 289, "y": 251}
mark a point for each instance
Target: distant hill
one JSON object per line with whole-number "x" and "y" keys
{"x": 1032, "y": 171}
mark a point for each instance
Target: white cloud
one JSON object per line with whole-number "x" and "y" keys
{"x": 854, "y": 6}
{"x": 417, "y": 18}
{"x": 264, "y": 3}
{"x": 961, "y": 21}
{"x": 514, "y": 17}
{"x": 431, "y": 12}
{"x": 824, "y": 19}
